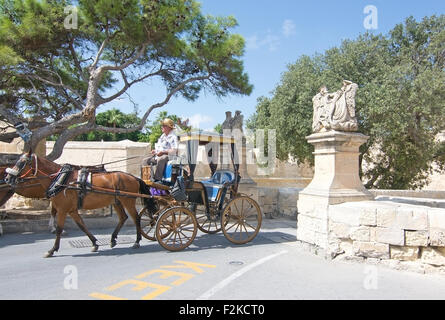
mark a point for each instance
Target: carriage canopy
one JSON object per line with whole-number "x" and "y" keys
{"x": 213, "y": 143}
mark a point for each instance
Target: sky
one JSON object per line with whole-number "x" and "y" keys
{"x": 277, "y": 33}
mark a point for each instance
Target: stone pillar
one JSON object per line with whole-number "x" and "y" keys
{"x": 336, "y": 180}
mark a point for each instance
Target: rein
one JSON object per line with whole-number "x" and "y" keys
{"x": 37, "y": 170}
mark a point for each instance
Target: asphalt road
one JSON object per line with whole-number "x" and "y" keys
{"x": 273, "y": 266}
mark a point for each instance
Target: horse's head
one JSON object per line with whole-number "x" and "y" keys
{"x": 24, "y": 162}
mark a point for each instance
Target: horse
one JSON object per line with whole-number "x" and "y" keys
{"x": 107, "y": 188}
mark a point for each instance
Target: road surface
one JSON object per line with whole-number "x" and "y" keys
{"x": 273, "y": 266}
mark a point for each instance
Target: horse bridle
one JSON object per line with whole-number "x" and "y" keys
{"x": 15, "y": 173}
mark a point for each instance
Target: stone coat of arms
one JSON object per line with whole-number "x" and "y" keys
{"x": 335, "y": 111}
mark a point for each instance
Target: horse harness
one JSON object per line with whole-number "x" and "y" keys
{"x": 83, "y": 182}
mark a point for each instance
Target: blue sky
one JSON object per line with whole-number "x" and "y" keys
{"x": 277, "y": 33}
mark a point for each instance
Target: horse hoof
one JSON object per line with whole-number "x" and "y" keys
{"x": 95, "y": 249}
{"x": 48, "y": 254}
{"x": 113, "y": 244}
{"x": 136, "y": 246}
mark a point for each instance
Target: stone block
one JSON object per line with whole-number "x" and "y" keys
{"x": 436, "y": 218}
{"x": 339, "y": 230}
{"x": 434, "y": 256}
{"x": 268, "y": 208}
{"x": 347, "y": 247}
{"x": 288, "y": 211}
{"x": 270, "y": 197}
{"x": 305, "y": 235}
{"x": 321, "y": 239}
{"x": 437, "y": 237}
{"x": 288, "y": 197}
{"x": 361, "y": 233}
{"x": 411, "y": 218}
{"x": 416, "y": 238}
{"x": 390, "y": 236}
{"x": 386, "y": 217}
{"x": 406, "y": 253}
{"x": 345, "y": 213}
{"x": 371, "y": 249}
{"x": 311, "y": 223}
{"x": 313, "y": 206}
{"x": 368, "y": 217}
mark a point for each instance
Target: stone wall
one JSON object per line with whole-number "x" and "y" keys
{"x": 403, "y": 236}
{"x": 95, "y": 153}
{"x": 276, "y": 202}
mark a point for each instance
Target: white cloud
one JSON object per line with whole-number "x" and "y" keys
{"x": 198, "y": 119}
{"x": 288, "y": 28}
{"x": 270, "y": 41}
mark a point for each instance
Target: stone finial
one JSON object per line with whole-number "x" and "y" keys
{"x": 227, "y": 124}
{"x": 238, "y": 120}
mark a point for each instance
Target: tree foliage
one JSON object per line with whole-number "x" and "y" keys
{"x": 54, "y": 78}
{"x": 116, "y": 119}
{"x": 400, "y": 103}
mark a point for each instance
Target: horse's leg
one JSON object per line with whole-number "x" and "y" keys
{"x": 61, "y": 216}
{"x": 79, "y": 221}
{"x": 130, "y": 205}
{"x": 52, "y": 220}
{"x": 122, "y": 218}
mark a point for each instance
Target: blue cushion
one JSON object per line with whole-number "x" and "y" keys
{"x": 168, "y": 172}
{"x": 222, "y": 177}
{"x": 217, "y": 182}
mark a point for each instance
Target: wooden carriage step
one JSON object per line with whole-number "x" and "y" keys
{"x": 156, "y": 185}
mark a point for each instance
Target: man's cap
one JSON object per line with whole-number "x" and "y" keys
{"x": 168, "y": 122}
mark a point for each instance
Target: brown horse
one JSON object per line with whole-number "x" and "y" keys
{"x": 39, "y": 172}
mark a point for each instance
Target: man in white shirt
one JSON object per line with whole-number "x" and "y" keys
{"x": 166, "y": 146}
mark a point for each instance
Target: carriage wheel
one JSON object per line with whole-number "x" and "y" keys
{"x": 176, "y": 228}
{"x": 148, "y": 222}
{"x": 241, "y": 220}
{"x": 207, "y": 223}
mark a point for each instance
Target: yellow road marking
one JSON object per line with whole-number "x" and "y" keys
{"x": 138, "y": 285}
{"x": 183, "y": 277}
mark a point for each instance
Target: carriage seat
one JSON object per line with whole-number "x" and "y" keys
{"x": 221, "y": 179}
{"x": 172, "y": 167}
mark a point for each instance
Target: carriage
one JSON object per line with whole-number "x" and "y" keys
{"x": 173, "y": 210}
{"x": 184, "y": 205}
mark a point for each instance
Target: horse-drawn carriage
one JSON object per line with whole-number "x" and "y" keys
{"x": 210, "y": 205}
{"x": 173, "y": 209}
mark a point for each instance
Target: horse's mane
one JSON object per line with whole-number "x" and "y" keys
{"x": 52, "y": 166}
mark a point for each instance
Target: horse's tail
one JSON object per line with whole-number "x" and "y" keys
{"x": 145, "y": 189}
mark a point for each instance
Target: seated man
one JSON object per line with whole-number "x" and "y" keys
{"x": 166, "y": 146}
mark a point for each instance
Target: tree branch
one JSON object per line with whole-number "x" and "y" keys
{"x": 76, "y": 61}
{"x": 128, "y": 62}
{"x": 127, "y": 86}
{"x": 141, "y": 125}
{"x": 66, "y": 136}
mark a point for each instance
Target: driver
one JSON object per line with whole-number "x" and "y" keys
{"x": 167, "y": 146}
